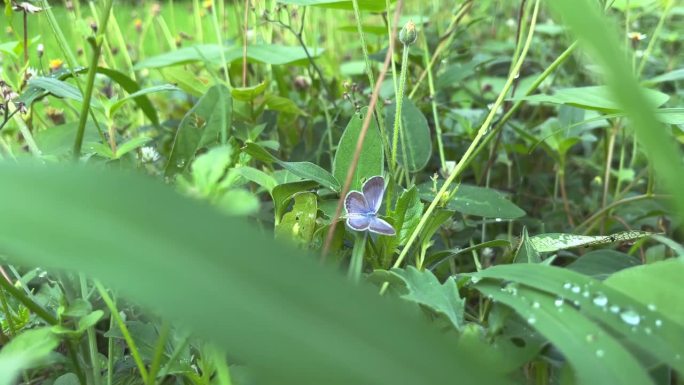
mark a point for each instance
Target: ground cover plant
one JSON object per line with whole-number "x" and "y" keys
{"x": 341, "y": 192}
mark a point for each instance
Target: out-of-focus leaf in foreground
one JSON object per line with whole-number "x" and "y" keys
{"x": 286, "y": 316}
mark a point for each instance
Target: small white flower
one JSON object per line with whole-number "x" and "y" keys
{"x": 149, "y": 154}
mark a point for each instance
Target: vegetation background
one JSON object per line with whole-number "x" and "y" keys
{"x": 175, "y": 175}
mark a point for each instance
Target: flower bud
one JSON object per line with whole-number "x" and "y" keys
{"x": 408, "y": 34}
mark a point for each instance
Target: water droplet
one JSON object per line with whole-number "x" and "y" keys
{"x": 558, "y": 302}
{"x": 576, "y": 303}
{"x": 585, "y": 294}
{"x": 651, "y": 307}
{"x": 615, "y": 309}
{"x": 567, "y": 286}
{"x": 658, "y": 323}
{"x": 591, "y": 338}
{"x": 678, "y": 357}
{"x": 512, "y": 288}
{"x": 576, "y": 289}
{"x": 535, "y": 305}
{"x": 600, "y": 300}
{"x": 647, "y": 330}
{"x": 630, "y": 317}
{"x": 475, "y": 279}
{"x": 600, "y": 353}
{"x": 531, "y": 320}
{"x": 498, "y": 220}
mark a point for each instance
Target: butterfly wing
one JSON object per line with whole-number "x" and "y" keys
{"x": 380, "y": 226}
{"x": 359, "y": 222}
{"x": 373, "y": 191}
{"x": 355, "y": 204}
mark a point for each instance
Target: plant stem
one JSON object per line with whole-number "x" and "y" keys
{"x": 159, "y": 352}
{"x": 29, "y": 303}
{"x": 397, "y": 114}
{"x": 219, "y": 41}
{"x": 92, "y": 341}
{"x": 124, "y": 330}
{"x": 433, "y": 102}
{"x": 90, "y": 81}
{"x": 462, "y": 163}
{"x": 356, "y": 263}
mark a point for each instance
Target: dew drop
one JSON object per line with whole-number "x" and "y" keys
{"x": 651, "y": 307}
{"x": 567, "y": 286}
{"x": 535, "y": 305}
{"x": 531, "y": 320}
{"x": 600, "y": 300}
{"x": 615, "y": 309}
{"x": 658, "y": 323}
{"x": 647, "y": 330}
{"x": 558, "y": 302}
{"x": 576, "y": 289}
{"x": 630, "y": 317}
{"x": 585, "y": 294}
{"x": 600, "y": 353}
{"x": 498, "y": 220}
{"x": 591, "y": 338}
{"x": 475, "y": 279}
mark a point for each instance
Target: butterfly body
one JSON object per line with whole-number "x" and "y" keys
{"x": 362, "y": 208}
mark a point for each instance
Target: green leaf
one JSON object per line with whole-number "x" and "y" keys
{"x": 600, "y": 264}
{"x": 131, "y": 145}
{"x": 209, "y": 168}
{"x": 56, "y": 87}
{"x": 657, "y": 285}
{"x": 119, "y": 103}
{"x": 282, "y": 194}
{"x": 526, "y": 252}
{"x": 416, "y": 136}
{"x": 59, "y": 140}
{"x": 132, "y": 87}
{"x": 306, "y": 170}
{"x": 189, "y": 81}
{"x": 67, "y": 379}
{"x": 671, "y": 76}
{"x": 26, "y": 350}
{"x": 646, "y": 328}
{"x": 286, "y": 315}
{"x": 545, "y": 243}
{"x": 424, "y": 288}
{"x": 407, "y": 214}
{"x": 299, "y": 224}
{"x": 371, "y": 159}
{"x": 592, "y": 98}
{"x": 201, "y": 126}
{"x": 596, "y": 356}
{"x": 284, "y": 105}
{"x": 478, "y": 201}
{"x": 185, "y": 55}
{"x": 238, "y": 202}
{"x": 365, "y": 5}
{"x": 247, "y": 94}
{"x": 257, "y": 176}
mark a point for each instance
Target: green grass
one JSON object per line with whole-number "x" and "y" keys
{"x": 166, "y": 218}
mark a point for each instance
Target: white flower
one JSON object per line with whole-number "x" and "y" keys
{"x": 149, "y": 154}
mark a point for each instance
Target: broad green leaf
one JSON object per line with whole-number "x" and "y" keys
{"x": 257, "y": 176}
{"x": 593, "y": 98}
{"x": 545, "y": 243}
{"x": 478, "y": 201}
{"x": 657, "y": 285}
{"x": 526, "y": 252}
{"x": 284, "y": 314}
{"x": 126, "y": 147}
{"x": 416, "y": 136}
{"x": 595, "y": 355}
{"x": 647, "y": 328}
{"x": 275, "y": 54}
{"x": 671, "y": 76}
{"x": 59, "y": 140}
{"x": 201, "y": 126}
{"x": 247, "y": 94}
{"x": 146, "y": 91}
{"x": 188, "y": 81}
{"x": 586, "y": 21}
{"x": 284, "y": 105}
{"x": 366, "y": 5}
{"x": 67, "y": 379}
{"x": 424, "y": 288}
{"x": 371, "y": 159}
{"x": 306, "y": 170}
{"x": 299, "y": 224}
{"x": 407, "y": 214}
{"x": 200, "y": 52}
{"x": 28, "y": 349}
{"x": 208, "y": 169}
{"x": 600, "y": 264}
{"x": 282, "y": 194}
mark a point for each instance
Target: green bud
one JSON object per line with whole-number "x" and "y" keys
{"x": 408, "y": 34}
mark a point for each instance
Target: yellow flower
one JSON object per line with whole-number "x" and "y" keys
{"x": 56, "y": 64}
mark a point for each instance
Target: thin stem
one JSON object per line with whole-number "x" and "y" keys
{"x": 92, "y": 341}
{"x": 356, "y": 263}
{"x": 462, "y": 163}
{"x": 654, "y": 38}
{"x": 397, "y": 114}
{"x": 433, "y": 102}
{"x": 90, "y": 81}
{"x": 124, "y": 330}
{"x": 159, "y": 352}
{"x": 219, "y": 41}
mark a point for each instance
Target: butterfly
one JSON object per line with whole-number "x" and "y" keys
{"x": 362, "y": 207}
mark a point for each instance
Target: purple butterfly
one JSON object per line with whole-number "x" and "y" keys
{"x": 362, "y": 208}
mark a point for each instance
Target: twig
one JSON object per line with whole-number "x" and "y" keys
{"x": 362, "y": 134}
